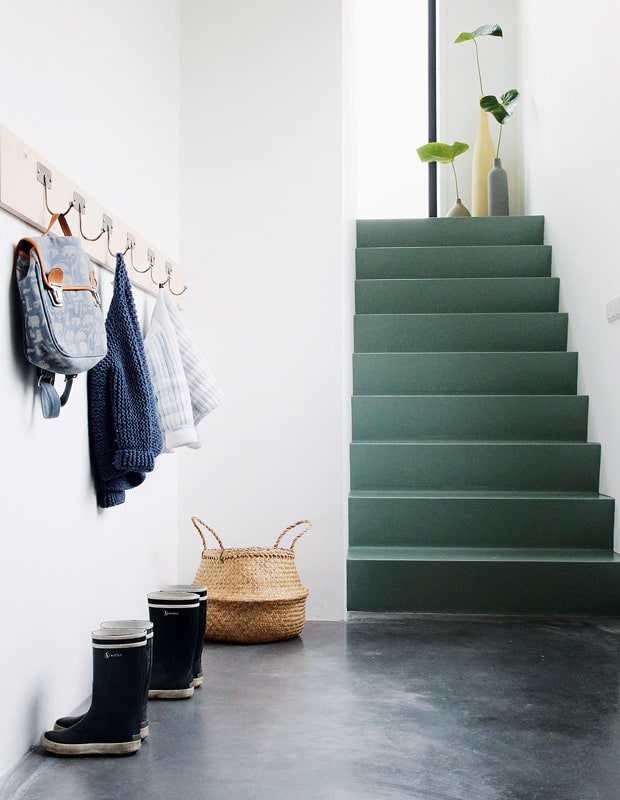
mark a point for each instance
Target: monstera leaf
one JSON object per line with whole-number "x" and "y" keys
{"x": 483, "y": 30}
{"x": 443, "y": 153}
{"x": 503, "y": 108}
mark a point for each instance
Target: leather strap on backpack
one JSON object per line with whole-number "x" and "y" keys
{"x": 60, "y": 218}
{"x": 51, "y": 401}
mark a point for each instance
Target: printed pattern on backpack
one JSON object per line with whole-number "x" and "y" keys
{"x": 64, "y": 329}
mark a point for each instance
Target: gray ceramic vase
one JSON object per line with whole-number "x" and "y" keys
{"x": 497, "y": 182}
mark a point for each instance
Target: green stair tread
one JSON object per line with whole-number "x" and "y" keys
{"x": 458, "y": 295}
{"x": 563, "y": 582}
{"x": 447, "y": 231}
{"x": 443, "y": 518}
{"x": 473, "y": 442}
{"x": 471, "y": 417}
{"x": 477, "y": 396}
{"x": 490, "y": 261}
{"x": 457, "y": 332}
{"x": 476, "y": 494}
{"x": 486, "y": 554}
{"x": 562, "y": 466}
{"x": 481, "y": 372}
{"x": 469, "y": 443}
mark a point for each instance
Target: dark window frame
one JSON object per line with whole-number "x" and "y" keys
{"x": 432, "y": 103}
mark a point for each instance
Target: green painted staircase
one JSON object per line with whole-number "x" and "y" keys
{"x": 473, "y": 485}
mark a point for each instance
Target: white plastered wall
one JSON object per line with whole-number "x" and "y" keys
{"x": 97, "y": 94}
{"x": 262, "y": 231}
{"x": 569, "y": 121}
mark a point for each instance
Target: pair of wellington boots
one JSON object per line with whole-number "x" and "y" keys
{"x": 179, "y": 616}
{"x": 116, "y": 721}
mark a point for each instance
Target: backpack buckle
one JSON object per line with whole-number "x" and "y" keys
{"x": 54, "y": 286}
{"x": 55, "y": 290}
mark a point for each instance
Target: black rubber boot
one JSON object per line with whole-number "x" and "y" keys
{"x": 111, "y": 726}
{"x": 141, "y": 625}
{"x": 201, "y": 591}
{"x": 175, "y": 622}
{"x": 147, "y": 626}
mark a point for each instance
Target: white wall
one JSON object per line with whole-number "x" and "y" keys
{"x": 262, "y": 230}
{"x": 459, "y": 91}
{"x": 391, "y": 101}
{"x": 98, "y": 96}
{"x": 569, "y": 121}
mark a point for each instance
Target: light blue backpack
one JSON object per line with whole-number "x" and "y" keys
{"x": 64, "y": 329}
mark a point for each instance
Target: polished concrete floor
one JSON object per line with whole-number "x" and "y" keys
{"x": 424, "y": 707}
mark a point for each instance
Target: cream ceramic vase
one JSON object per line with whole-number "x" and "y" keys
{"x": 482, "y": 164}
{"x": 459, "y": 210}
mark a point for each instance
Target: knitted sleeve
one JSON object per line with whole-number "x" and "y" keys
{"x": 110, "y": 482}
{"x": 110, "y": 491}
{"x": 136, "y": 427}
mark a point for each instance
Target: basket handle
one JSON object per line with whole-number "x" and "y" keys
{"x": 305, "y": 522}
{"x": 195, "y": 521}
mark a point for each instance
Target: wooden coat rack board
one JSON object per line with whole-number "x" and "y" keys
{"x": 30, "y": 187}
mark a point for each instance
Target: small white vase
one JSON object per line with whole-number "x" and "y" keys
{"x": 458, "y": 210}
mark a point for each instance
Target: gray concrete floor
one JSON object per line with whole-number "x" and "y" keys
{"x": 424, "y": 707}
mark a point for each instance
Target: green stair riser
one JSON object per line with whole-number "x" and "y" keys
{"x": 458, "y": 295}
{"x": 470, "y": 417}
{"x": 505, "y": 466}
{"x": 465, "y": 373}
{"x": 450, "y": 231}
{"x": 482, "y": 521}
{"x": 484, "y": 587}
{"x": 500, "y": 261}
{"x": 423, "y": 333}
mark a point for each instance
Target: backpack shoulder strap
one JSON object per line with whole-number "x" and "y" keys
{"x": 51, "y": 401}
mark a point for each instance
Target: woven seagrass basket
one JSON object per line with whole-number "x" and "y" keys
{"x": 254, "y": 593}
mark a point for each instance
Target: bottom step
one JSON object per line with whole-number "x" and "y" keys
{"x": 483, "y": 581}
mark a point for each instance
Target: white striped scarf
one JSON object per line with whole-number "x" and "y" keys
{"x": 184, "y": 385}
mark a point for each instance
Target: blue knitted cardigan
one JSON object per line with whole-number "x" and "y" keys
{"x": 124, "y": 432}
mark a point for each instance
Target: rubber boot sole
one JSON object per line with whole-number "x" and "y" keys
{"x": 144, "y": 729}
{"x": 91, "y": 748}
{"x": 197, "y": 681}
{"x": 170, "y": 694}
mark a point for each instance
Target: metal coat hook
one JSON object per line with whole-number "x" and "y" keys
{"x": 44, "y": 176}
{"x": 90, "y": 238}
{"x": 80, "y": 204}
{"x": 131, "y": 244}
{"x": 108, "y": 227}
{"x": 168, "y": 282}
{"x": 150, "y": 257}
